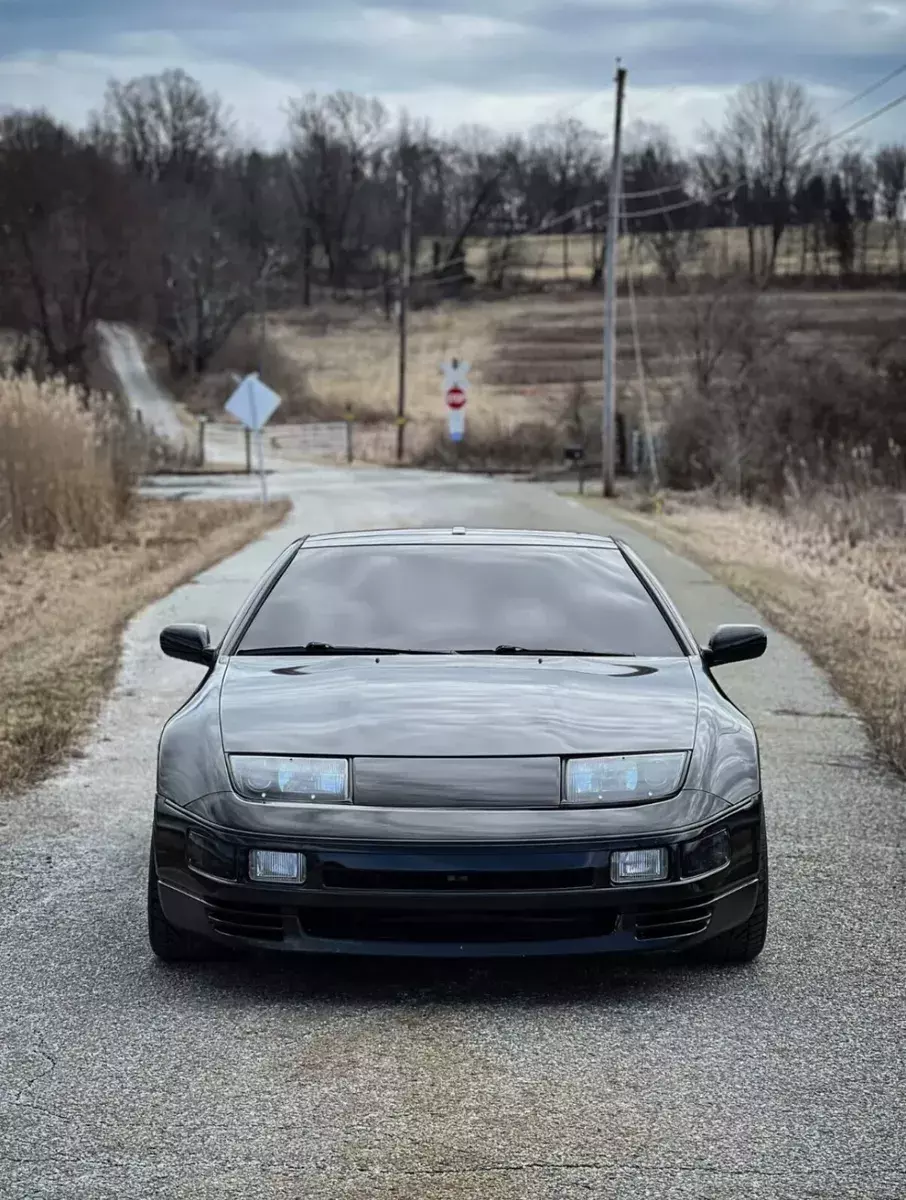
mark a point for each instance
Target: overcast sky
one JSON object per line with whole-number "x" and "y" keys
{"x": 450, "y": 61}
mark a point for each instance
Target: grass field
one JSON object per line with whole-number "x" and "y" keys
{"x": 552, "y": 258}
{"x": 528, "y": 353}
{"x": 831, "y": 573}
{"x": 62, "y": 612}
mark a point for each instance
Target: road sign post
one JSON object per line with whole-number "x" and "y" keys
{"x": 576, "y": 454}
{"x": 350, "y": 419}
{"x": 456, "y": 395}
{"x": 254, "y": 403}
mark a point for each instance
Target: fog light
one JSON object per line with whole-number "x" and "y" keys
{"x": 639, "y": 866}
{"x": 276, "y": 866}
{"x": 707, "y": 854}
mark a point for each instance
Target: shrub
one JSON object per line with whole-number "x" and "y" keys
{"x": 768, "y": 417}
{"x": 492, "y": 444}
{"x": 242, "y": 355}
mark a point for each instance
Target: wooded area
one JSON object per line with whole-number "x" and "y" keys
{"x": 157, "y": 212}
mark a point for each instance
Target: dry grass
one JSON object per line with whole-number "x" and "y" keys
{"x": 66, "y": 472}
{"x": 352, "y": 359}
{"x": 62, "y": 610}
{"x": 541, "y": 259}
{"x": 356, "y": 362}
{"x": 830, "y": 572}
{"x": 528, "y": 353}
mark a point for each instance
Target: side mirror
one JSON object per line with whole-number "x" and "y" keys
{"x": 734, "y": 643}
{"x": 192, "y": 643}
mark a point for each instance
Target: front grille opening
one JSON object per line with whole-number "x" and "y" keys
{"x": 464, "y": 928}
{"x": 336, "y": 876}
{"x": 263, "y": 922}
{"x": 667, "y": 921}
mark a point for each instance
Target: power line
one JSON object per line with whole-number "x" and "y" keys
{"x": 726, "y": 191}
{"x": 546, "y": 226}
{"x": 681, "y": 204}
{"x": 658, "y": 191}
{"x": 636, "y": 116}
{"x": 550, "y": 223}
{"x": 563, "y": 110}
{"x": 843, "y": 132}
{"x": 868, "y": 91}
{"x": 878, "y": 112}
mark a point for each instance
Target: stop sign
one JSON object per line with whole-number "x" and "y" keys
{"x": 456, "y": 397}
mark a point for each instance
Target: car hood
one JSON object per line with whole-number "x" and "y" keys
{"x": 425, "y": 706}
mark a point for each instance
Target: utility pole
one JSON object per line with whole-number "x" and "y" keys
{"x": 262, "y": 321}
{"x": 405, "y": 281}
{"x": 608, "y": 419}
{"x": 307, "y": 240}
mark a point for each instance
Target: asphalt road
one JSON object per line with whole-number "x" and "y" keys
{"x": 123, "y": 1078}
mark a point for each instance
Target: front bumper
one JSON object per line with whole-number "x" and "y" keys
{"x": 424, "y": 900}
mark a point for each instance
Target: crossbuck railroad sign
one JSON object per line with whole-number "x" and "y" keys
{"x": 455, "y": 375}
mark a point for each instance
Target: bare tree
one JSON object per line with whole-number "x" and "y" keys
{"x": 566, "y": 161}
{"x": 672, "y": 239}
{"x": 766, "y": 143}
{"x": 840, "y": 225}
{"x": 474, "y": 184}
{"x": 337, "y": 145}
{"x": 209, "y": 279}
{"x": 890, "y": 167}
{"x": 165, "y": 127}
{"x": 74, "y": 238}
{"x": 857, "y": 175}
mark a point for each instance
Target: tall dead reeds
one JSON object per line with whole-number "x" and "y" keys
{"x": 66, "y": 472}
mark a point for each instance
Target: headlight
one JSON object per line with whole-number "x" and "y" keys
{"x": 291, "y": 780}
{"x": 624, "y": 778}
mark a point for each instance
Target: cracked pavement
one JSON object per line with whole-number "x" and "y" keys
{"x": 373, "y": 1080}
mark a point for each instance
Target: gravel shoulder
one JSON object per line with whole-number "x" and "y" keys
{"x": 387, "y": 1081}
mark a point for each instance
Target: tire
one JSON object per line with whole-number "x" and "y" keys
{"x": 744, "y": 943}
{"x": 172, "y": 945}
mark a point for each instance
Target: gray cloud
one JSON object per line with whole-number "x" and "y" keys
{"x": 529, "y": 49}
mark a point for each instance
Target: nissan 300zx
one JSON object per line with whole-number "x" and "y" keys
{"x": 459, "y": 743}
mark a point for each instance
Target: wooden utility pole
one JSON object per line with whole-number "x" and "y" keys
{"x": 262, "y": 320}
{"x": 405, "y": 282}
{"x": 608, "y": 421}
{"x": 307, "y": 241}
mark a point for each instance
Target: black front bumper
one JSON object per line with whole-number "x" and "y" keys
{"x": 450, "y": 901}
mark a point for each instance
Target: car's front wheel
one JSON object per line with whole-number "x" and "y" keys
{"x": 170, "y": 944}
{"x": 744, "y": 943}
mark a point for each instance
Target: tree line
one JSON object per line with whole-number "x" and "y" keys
{"x": 157, "y": 212}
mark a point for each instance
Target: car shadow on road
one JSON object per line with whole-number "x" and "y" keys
{"x": 379, "y": 981}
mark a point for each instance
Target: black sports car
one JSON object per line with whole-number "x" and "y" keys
{"x": 459, "y": 742}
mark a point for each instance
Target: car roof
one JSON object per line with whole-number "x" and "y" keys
{"x": 460, "y": 535}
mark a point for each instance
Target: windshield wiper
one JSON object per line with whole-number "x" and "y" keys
{"x": 325, "y": 648}
{"x": 531, "y": 650}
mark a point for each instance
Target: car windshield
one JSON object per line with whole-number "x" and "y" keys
{"x": 469, "y": 598}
